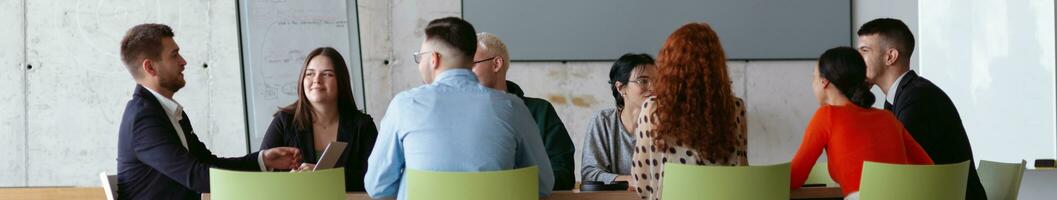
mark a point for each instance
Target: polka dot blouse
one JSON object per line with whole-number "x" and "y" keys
{"x": 647, "y": 167}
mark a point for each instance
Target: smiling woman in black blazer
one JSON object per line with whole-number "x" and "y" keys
{"x": 324, "y": 112}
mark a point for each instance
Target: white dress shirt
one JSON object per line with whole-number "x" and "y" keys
{"x": 890, "y": 97}
{"x": 175, "y": 112}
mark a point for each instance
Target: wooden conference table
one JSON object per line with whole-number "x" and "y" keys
{"x": 802, "y": 193}
{"x": 96, "y": 193}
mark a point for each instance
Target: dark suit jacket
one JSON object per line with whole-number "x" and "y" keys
{"x": 153, "y": 164}
{"x": 556, "y": 139}
{"x": 357, "y": 129}
{"x": 931, "y": 118}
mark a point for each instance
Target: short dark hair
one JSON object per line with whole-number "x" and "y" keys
{"x": 892, "y": 31}
{"x": 621, "y": 72}
{"x": 455, "y": 32}
{"x": 142, "y": 42}
{"x": 845, "y": 68}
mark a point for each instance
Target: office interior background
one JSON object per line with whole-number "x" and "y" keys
{"x": 63, "y": 87}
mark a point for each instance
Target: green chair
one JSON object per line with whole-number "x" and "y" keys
{"x": 1001, "y": 180}
{"x": 507, "y": 184}
{"x": 725, "y": 182}
{"x": 820, "y": 175}
{"x": 913, "y": 182}
{"x": 235, "y": 185}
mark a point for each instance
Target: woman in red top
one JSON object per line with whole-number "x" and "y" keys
{"x": 848, "y": 128}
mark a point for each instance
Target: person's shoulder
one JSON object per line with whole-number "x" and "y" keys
{"x": 361, "y": 118}
{"x": 921, "y": 89}
{"x": 606, "y": 114}
{"x": 827, "y": 110}
{"x": 537, "y": 103}
{"x": 501, "y": 95}
{"x": 409, "y": 94}
{"x": 921, "y": 86}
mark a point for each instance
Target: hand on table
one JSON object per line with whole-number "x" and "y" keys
{"x": 282, "y": 158}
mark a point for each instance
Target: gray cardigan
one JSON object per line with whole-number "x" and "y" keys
{"x": 607, "y": 148}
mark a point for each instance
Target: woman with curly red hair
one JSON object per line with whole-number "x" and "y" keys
{"x": 694, "y": 117}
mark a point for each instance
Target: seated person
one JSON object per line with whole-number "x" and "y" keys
{"x": 694, "y": 117}
{"x": 848, "y": 128}
{"x": 608, "y": 144}
{"x": 325, "y": 111}
{"x": 490, "y": 64}
{"x": 925, "y": 110}
{"x": 453, "y": 123}
{"x": 159, "y": 155}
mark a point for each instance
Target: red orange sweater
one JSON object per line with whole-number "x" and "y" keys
{"x": 850, "y": 135}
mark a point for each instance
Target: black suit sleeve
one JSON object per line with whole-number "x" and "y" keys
{"x": 156, "y": 145}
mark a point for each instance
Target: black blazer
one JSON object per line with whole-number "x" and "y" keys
{"x": 357, "y": 129}
{"x": 931, "y": 118}
{"x": 151, "y": 161}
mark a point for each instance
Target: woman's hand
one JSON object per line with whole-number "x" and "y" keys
{"x": 305, "y": 167}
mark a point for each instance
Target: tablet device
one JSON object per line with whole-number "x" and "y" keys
{"x": 331, "y": 154}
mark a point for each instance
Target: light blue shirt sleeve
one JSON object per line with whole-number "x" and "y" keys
{"x": 386, "y": 163}
{"x": 531, "y": 150}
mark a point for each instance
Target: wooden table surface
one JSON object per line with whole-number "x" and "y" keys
{"x": 96, "y": 193}
{"x": 49, "y": 193}
{"x": 802, "y": 193}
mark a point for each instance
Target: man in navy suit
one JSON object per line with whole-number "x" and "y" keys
{"x": 923, "y": 108}
{"x": 159, "y": 155}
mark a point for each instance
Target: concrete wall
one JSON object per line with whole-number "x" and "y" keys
{"x": 12, "y": 93}
{"x": 60, "y": 118}
{"x": 66, "y": 132}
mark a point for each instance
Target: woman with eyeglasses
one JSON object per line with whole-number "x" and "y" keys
{"x": 609, "y": 143}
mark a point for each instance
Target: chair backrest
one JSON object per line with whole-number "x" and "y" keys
{"x": 725, "y": 182}
{"x": 507, "y": 184}
{"x": 1001, "y": 180}
{"x": 913, "y": 182}
{"x": 233, "y": 185}
{"x": 820, "y": 175}
{"x": 109, "y": 183}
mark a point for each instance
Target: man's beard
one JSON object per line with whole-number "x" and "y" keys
{"x": 174, "y": 84}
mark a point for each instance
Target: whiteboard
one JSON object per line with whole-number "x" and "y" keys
{"x": 995, "y": 59}
{"x": 584, "y": 30}
{"x": 276, "y": 36}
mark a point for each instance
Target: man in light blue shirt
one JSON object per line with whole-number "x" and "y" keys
{"x": 453, "y": 123}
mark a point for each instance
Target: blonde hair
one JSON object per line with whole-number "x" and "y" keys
{"x": 491, "y": 43}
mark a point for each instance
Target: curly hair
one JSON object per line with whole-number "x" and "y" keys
{"x": 694, "y": 101}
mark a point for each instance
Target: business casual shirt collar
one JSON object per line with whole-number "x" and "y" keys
{"x": 175, "y": 112}
{"x": 890, "y": 97}
{"x": 172, "y": 108}
{"x": 454, "y": 75}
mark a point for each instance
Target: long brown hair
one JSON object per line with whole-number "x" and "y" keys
{"x": 695, "y": 105}
{"x": 302, "y": 110}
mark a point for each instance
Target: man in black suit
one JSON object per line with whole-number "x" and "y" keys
{"x": 159, "y": 156}
{"x": 925, "y": 110}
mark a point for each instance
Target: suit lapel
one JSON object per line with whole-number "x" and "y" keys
{"x": 900, "y": 99}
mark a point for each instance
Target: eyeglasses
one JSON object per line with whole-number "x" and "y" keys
{"x": 481, "y": 61}
{"x": 417, "y": 56}
{"x": 642, "y": 82}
